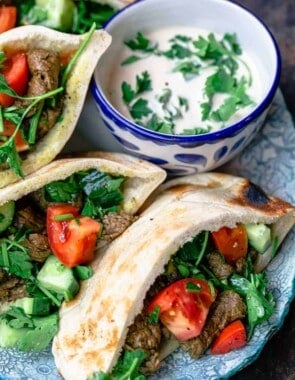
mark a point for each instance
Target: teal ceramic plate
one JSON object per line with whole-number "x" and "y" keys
{"x": 268, "y": 161}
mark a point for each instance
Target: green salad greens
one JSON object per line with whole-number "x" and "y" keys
{"x": 64, "y": 15}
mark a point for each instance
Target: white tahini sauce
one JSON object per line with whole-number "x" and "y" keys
{"x": 162, "y": 76}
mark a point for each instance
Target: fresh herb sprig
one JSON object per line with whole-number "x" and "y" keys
{"x": 260, "y": 305}
{"x": 127, "y": 367}
{"x": 8, "y": 152}
{"x": 142, "y": 45}
{"x": 138, "y": 107}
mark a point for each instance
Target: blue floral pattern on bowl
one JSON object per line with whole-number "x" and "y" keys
{"x": 269, "y": 161}
{"x": 213, "y": 151}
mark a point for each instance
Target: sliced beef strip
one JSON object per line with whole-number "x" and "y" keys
{"x": 27, "y": 216}
{"x": 145, "y": 336}
{"x": 38, "y": 247}
{"x": 49, "y": 118}
{"x": 44, "y": 67}
{"x": 115, "y": 224}
{"x": 228, "y": 307}
{"x": 218, "y": 265}
{"x": 12, "y": 289}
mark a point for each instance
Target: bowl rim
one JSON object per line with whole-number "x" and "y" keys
{"x": 232, "y": 129}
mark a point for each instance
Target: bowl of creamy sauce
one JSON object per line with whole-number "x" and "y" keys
{"x": 186, "y": 83}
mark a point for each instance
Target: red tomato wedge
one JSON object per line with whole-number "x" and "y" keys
{"x": 184, "y": 306}
{"x": 231, "y": 242}
{"x": 16, "y": 73}
{"x": 72, "y": 237}
{"x": 20, "y": 143}
{"x": 233, "y": 336}
{"x": 8, "y": 16}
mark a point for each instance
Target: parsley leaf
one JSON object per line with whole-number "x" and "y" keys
{"x": 226, "y": 110}
{"x": 140, "y": 108}
{"x": 14, "y": 258}
{"x": 141, "y": 43}
{"x": 143, "y": 83}
{"x": 5, "y": 88}
{"x": 66, "y": 190}
{"x": 128, "y": 93}
{"x": 190, "y": 255}
{"x": 177, "y": 51}
{"x": 188, "y": 69}
{"x": 197, "y": 130}
{"x": 219, "y": 82}
{"x": 8, "y": 154}
{"x": 130, "y": 59}
{"x": 260, "y": 305}
{"x": 128, "y": 365}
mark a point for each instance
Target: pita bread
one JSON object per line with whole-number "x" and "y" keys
{"x": 93, "y": 327}
{"x": 142, "y": 176}
{"x": 33, "y": 36}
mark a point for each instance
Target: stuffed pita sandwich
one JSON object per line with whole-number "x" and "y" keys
{"x": 52, "y": 225}
{"x": 187, "y": 269}
{"x": 44, "y": 80}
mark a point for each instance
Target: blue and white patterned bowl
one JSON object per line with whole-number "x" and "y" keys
{"x": 186, "y": 154}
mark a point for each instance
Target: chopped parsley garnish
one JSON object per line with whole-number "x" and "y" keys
{"x": 190, "y": 57}
{"x": 191, "y": 287}
{"x": 101, "y": 193}
{"x": 154, "y": 315}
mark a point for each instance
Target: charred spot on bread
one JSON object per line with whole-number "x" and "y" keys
{"x": 255, "y": 196}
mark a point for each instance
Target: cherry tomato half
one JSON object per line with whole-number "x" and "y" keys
{"x": 16, "y": 73}
{"x": 231, "y": 242}
{"x": 184, "y": 306}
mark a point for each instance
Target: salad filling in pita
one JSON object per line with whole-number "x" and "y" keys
{"x": 51, "y": 230}
{"x": 189, "y": 272}
{"x": 44, "y": 78}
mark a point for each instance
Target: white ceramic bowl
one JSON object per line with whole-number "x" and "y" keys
{"x": 184, "y": 154}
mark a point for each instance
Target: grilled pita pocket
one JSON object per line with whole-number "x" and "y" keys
{"x": 142, "y": 176}
{"x": 94, "y": 326}
{"x": 34, "y": 37}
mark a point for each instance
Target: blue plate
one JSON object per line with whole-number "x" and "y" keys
{"x": 268, "y": 161}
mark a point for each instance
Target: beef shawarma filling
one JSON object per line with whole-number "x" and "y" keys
{"x": 201, "y": 293}
{"x": 41, "y": 74}
{"x": 32, "y": 97}
{"x": 44, "y": 68}
{"x": 30, "y": 217}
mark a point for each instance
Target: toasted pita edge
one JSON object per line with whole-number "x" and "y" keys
{"x": 142, "y": 177}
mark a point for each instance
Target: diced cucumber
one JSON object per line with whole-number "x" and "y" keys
{"x": 29, "y": 338}
{"x": 57, "y": 277}
{"x": 9, "y": 336}
{"x": 6, "y": 215}
{"x": 34, "y": 306}
{"x": 259, "y": 236}
{"x": 60, "y": 13}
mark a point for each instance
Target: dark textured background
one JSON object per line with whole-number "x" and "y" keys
{"x": 277, "y": 360}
